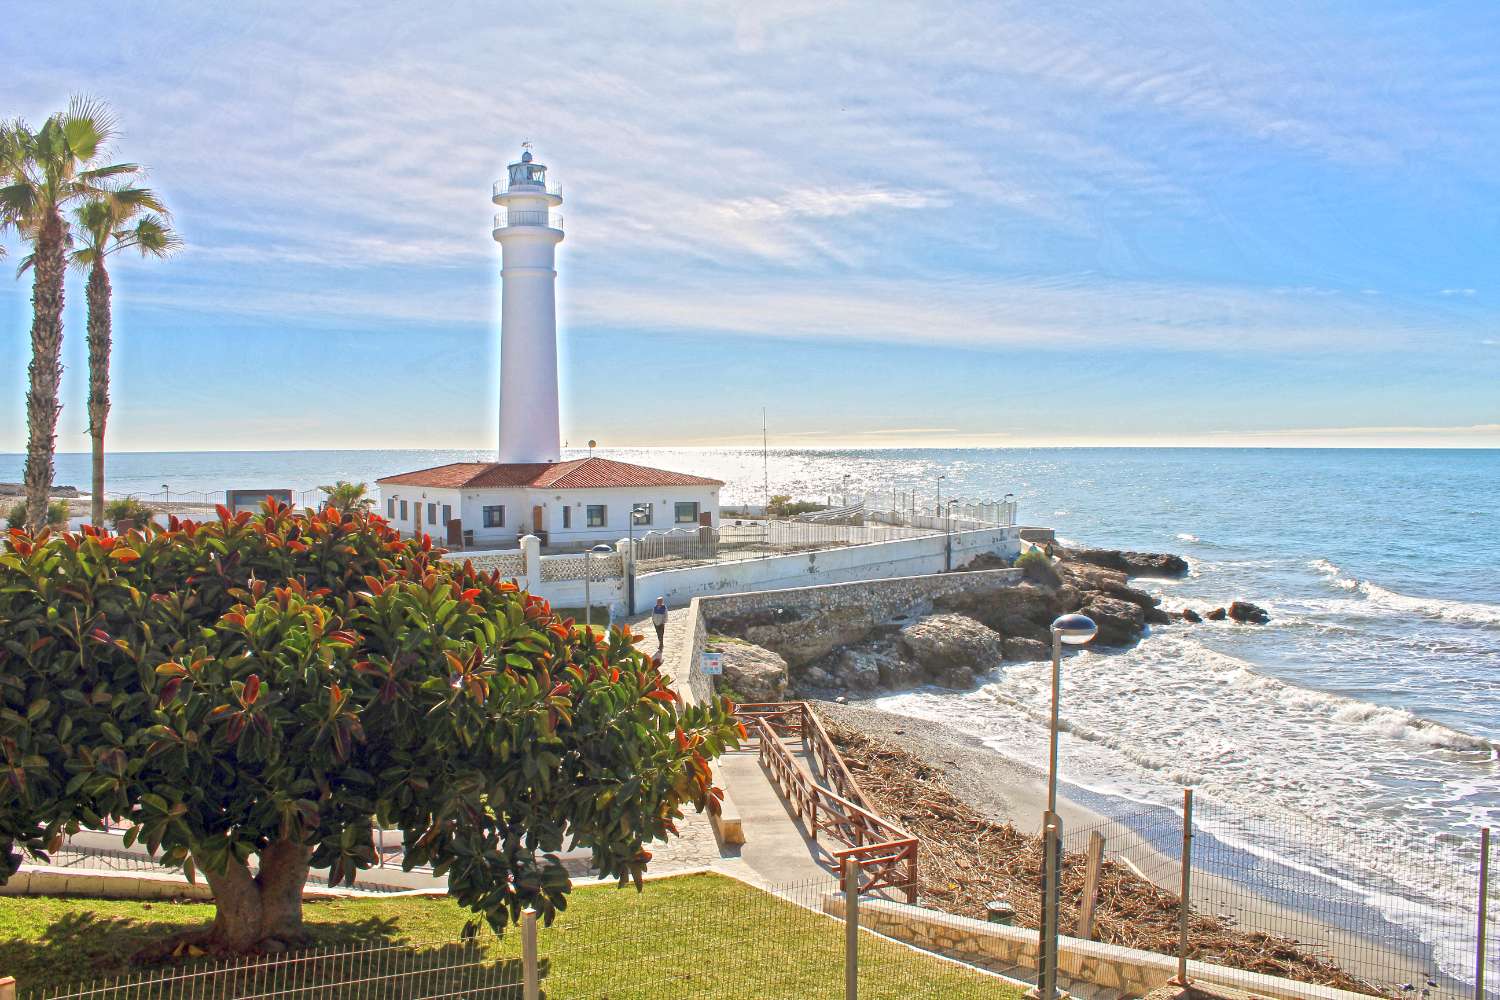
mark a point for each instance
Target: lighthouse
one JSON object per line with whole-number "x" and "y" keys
{"x": 530, "y": 490}
{"x": 528, "y": 231}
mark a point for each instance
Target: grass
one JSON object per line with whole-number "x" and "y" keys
{"x": 690, "y": 936}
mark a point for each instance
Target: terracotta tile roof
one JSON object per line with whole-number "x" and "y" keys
{"x": 578, "y": 474}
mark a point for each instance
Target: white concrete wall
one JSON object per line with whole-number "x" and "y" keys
{"x": 414, "y": 495}
{"x": 660, "y": 499}
{"x": 876, "y": 561}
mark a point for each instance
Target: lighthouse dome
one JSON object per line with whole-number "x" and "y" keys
{"x": 526, "y": 156}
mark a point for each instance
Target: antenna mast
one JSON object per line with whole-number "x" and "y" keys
{"x": 765, "y": 459}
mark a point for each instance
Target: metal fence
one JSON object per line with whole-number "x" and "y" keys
{"x": 689, "y": 937}
{"x": 910, "y": 507}
{"x": 760, "y": 539}
{"x": 1269, "y": 895}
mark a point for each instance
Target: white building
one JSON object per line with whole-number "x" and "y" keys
{"x": 530, "y": 490}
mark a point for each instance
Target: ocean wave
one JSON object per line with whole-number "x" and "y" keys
{"x": 1185, "y": 536}
{"x": 1462, "y": 612}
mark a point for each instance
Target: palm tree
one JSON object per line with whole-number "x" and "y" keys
{"x": 349, "y": 498}
{"x": 121, "y": 219}
{"x": 47, "y": 171}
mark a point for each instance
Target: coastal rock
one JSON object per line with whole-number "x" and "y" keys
{"x": 858, "y": 671}
{"x": 1189, "y": 615}
{"x": 816, "y": 678}
{"x": 1248, "y": 614}
{"x": 1086, "y": 577}
{"x": 804, "y": 641}
{"x": 1120, "y": 622}
{"x": 945, "y": 643}
{"x": 756, "y": 673}
{"x": 1131, "y": 563}
{"x": 958, "y": 678}
{"x": 1017, "y": 648}
{"x": 1216, "y": 615}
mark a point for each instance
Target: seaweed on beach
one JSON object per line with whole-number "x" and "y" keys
{"x": 969, "y": 860}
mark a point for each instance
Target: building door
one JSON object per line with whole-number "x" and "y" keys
{"x": 537, "y": 525}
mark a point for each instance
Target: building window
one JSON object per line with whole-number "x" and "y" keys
{"x": 404, "y": 514}
{"x": 596, "y": 515}
{"x": 390, "y": 508}
{"x": 643, "y": 512}
{"x": 494, "y": 517}
{"x": 687, "y": 512}
{"x": 567, "y": 518}
{"x": 447, "y": 514}
{"x": 432, "y": 513}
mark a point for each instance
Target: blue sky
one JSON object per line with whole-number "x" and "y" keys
{"x": 1260, "y": 223}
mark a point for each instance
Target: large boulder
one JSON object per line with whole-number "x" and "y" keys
{"x": 1216, "y": 615}
{"x": 757, "y": 673}
{"x": 1248, "y": 614}
{"x": 816, "y": 679}
{"x": 857, "y": 671}
{"x": 1017, "y": 648}
{"x": 1086, "y": 577}
{"x": 1131, "y": 563}
{"x": 812, "y": 637}
{"x": 943, "y": 644}
{"x": 1120, "y": 622}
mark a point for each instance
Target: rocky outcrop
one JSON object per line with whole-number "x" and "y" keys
{"x": 1026, "y": 649}
{"x": 1086, "y": 578}
{"x": 805, "y": 641}
{"x": 1216, "y": 615}
{"x": 1130, "y": 563}
{"x": 1248, "y": 614}
{"x": 1120, "y": 622}
{"x": 755, "y": 672}
{"x": 1189, "y": 615}
{"x": 953, "y": 649}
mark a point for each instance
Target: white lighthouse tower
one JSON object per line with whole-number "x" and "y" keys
{"x": 528, "y": 232}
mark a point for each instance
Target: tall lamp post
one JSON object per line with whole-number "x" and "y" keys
{"x": 949, "y": 534}
{"x": 588, "y": 577}
{"x": 940, "y": 495}
{"x": 167, "y": 498}
{"x": 1074, "y": 630}
{"x": 630, "y": 517}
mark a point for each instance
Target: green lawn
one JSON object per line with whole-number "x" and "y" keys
{"x": 692, "y": 936}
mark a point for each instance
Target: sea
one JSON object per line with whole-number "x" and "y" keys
{"x": 1367, "y": 712}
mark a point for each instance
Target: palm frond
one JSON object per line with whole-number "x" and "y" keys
{"x": 113, "y": 170}
{"x": 154, "y": 237}
{"x": 25, "y": 264}
{"x": 138, "y": 198}
{"x": 90, "y": 126}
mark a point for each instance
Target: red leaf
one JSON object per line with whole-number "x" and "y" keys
{"x": 252, "y": 689}
{"x": 471, "y": 594}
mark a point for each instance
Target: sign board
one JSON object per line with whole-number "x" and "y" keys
{"x": 712, "y": 664}
{"x": 238, "y": 500}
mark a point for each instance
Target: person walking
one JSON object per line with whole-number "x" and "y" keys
{"x": 659, "y": 619}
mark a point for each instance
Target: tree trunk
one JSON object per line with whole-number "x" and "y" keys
{"x": 252, "y": 911}
{"x": 42, "y": 406}
{"x": 98, "y": 294}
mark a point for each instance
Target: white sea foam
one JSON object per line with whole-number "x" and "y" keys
{"x": 1183, "y": 536}
{"x": 1461, "y": 612}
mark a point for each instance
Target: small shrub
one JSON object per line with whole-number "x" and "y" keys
{"x": 57, "y": 514}
{"x": 127, "y": 509}
{"x": 1037, "y": 566}
{"x": 782, "y": 506}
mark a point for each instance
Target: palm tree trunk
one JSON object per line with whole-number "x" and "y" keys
{"x": 42, "y": 406}
{"x": 98, "y": 293}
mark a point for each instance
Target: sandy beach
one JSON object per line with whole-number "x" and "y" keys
{"x": 1006, "y": 790}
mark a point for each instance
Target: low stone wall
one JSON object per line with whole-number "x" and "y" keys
{"x": 1015, "y": 949}
{"x": 883, "y": 600}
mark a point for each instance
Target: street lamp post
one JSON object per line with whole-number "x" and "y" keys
{"x": 167, "y": 499}
{"x": 940, "y": 495}
{"x": 948, "y": 532}
{"x": 630, "y": 570}
{"x": 1074, "y": 630}
{"x": 588, "y": 577}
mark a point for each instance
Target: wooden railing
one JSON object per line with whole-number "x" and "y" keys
{"x": 885, "y": 853}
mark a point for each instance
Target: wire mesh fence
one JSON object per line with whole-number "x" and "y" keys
{"x": 702, "y": 936}
{"x": 1273, "y": 896}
